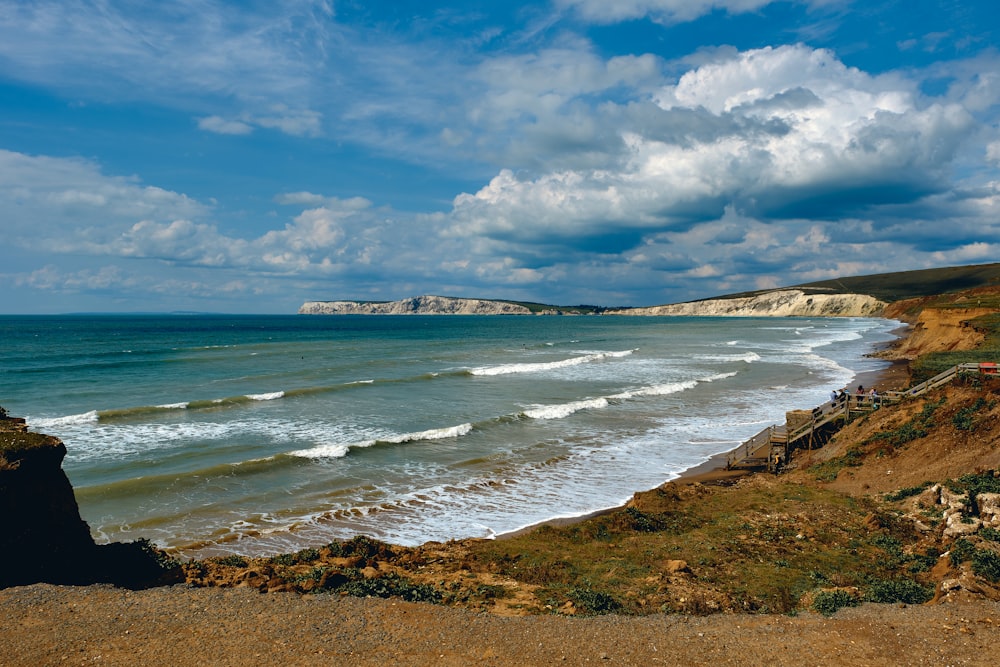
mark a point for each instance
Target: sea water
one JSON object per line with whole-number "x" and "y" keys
{"x": 264, "y": 434}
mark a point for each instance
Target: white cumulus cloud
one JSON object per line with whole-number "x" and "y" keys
{"x": 663, "y": 11}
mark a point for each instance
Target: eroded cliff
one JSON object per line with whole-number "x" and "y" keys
{"x": 780, "y": 303}
{"x": 935, "y": 330}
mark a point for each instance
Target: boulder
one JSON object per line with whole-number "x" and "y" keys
{"x": 989, "y": 509}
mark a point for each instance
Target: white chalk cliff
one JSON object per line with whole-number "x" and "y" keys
{"x": 780, "y": 303}
{"x": 420, "y": 305}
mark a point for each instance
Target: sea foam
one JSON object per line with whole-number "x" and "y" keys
{"x": 507, "y": 369}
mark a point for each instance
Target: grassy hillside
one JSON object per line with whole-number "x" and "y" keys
{"x": 902, "y": 284}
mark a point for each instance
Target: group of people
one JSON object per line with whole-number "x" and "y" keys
{"x": 843, "y": 396}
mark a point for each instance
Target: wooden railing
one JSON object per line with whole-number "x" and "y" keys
{"x": 752, "y": 453}
{"x": 772, "y": 446}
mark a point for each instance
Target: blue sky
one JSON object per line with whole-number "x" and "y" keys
{"x": 247, "y": 156}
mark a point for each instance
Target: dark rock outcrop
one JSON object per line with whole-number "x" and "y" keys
{"x": 42, "y": 536}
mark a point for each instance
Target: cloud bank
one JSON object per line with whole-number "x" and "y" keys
{"x": 620, "y": 178}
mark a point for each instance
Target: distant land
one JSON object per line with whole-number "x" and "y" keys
{"x": 855, "y": 296}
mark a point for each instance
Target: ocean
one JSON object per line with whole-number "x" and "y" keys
{"x": 256, "y": 435}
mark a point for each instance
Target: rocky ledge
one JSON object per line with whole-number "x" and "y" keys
{"x": 420, "y": 305}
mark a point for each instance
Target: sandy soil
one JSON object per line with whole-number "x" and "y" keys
{"x": 49, "y": 625}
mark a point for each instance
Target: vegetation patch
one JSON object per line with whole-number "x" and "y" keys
{"x": 898, "y": 590}
{"x": 966, "y": 418}
{"x": 233, "y": 560}
{"x": 991, "y": 534}
{"x": 929, "y": 365}
{"x": 827, "y": 471}
{"x": 829, "y": 602}
{"x": 961, "y": 551}
{"x": 911, "y": 430}
{"x": 361, "y": 545}
{"x": 593, "y": 602}
{"x": 14, "y": 442}
{"x": 907, "y": 492}
{"x": 975, "y": 484}
{"x": 391, "y": 585}
{"x": 758, "y": 548}
{"x": 644, "y": 522}
{"x": 986, "y": 564}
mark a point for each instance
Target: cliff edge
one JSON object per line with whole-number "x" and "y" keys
{"x": 44, "y": 539}
{"x": 420, "y": 305}
{"x": 780, "y": 303}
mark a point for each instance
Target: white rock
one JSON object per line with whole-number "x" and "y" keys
{"x": 989, "y": 509}
{"x": 780, "y": 303}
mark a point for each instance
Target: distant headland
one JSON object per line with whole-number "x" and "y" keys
{"x": 857, "y": 296}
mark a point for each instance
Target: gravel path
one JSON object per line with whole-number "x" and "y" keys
{"x": 52, "y": 625}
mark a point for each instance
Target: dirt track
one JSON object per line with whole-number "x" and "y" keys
{"x": 49, "y": 625}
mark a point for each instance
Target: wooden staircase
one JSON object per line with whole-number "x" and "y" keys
{"x": 772, "y": 447}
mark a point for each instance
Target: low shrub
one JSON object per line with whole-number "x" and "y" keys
{"x": 391, "y": 585}
{"x": 965, "y": 419}
{"x": 233, "y": 560}
{"x": 827, "y": 471}
{"x": 907, "y": 492}
{"x": 991, "y": 534}
{"x": 986, "y": 564}
{"x": 307, "y": 555}
{"x": 961, "y": 551}
{"x": 643, "y": 522}
{"x": 361, "y": 545}
{"x": 828, "y": 602}
{"x": 593, "y": 602}
{"x": 285, "y": 559}
{"x": 898, "y": 590}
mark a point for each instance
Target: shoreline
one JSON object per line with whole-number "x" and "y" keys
{"x": 713, "y": 470}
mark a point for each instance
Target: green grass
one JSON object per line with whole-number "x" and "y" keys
{"x": 906, "y": 492}
{"x": 231, "y": 561}
{"x": 389, "y": 586}
{"x": 828, "y": 470}
{"x": 903, "y": 284}
{"x": 886, "y": 442}
{"x": 929, "y": 365}
{"x": 736, "y": 542}
{"x": 966, "y": 418}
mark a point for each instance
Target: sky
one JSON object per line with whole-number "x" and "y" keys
{"x": 244, "y": 157}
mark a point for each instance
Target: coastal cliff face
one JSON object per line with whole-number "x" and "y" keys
{"x": 781, "y": 303}
{"x": 43, "y": 537}
{"x": 43, "y": 530}
{"x": 421, "y": 305}
{"x": 935, "y": 330}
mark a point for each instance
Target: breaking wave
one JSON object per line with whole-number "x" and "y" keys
{"x": 507, "y": 369}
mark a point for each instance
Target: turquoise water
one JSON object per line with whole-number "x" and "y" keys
{"x": 262, "y": 434}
